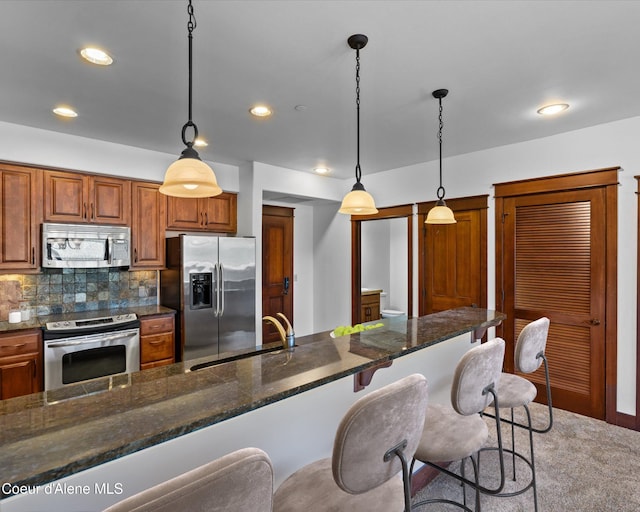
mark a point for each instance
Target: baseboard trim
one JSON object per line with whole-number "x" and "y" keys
{"x": 627, "y": 421}
{"x": 423, "y": 477}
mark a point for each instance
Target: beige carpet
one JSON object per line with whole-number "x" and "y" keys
{"x": 582, "y": 465}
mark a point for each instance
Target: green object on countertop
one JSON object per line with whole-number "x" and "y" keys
{"x": 343, "y": 330}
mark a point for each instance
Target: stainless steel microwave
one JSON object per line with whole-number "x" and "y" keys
{"x": 85, "y": 246}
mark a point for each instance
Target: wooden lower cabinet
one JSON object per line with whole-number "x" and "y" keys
{"x": 21, "y": 364}
{"x": 157, "y": 341}
{"x": 370, "y": 307}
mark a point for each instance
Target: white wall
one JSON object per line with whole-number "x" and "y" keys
{"x": 606, "y": 145}
{"x": 397, "y": 297}
{"x": 375, "y": 262}
{"x": 51, "y": 149}
{"x": 611, "y": 144}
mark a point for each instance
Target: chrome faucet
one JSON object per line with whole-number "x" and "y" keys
{"x": 287, "y": 337}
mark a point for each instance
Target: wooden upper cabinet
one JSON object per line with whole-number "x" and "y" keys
{"x": 81, "y": 198}
{"x": 217, "y": 214}
{"x": 147, "y": 226}
{"x": 19, "y": 217}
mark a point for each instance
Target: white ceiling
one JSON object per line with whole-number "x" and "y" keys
{"x": 501, "y": 60}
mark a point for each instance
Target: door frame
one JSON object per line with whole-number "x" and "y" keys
{"x": 637, "y": 422}
{"x": 606, "y": 178}
{"x": 391, "y": 212}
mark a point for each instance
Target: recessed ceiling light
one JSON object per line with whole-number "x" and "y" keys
{"x": 260, "y": 111}
{"x": 321, "y": 170}
{"x": 65, "y": 112}
{"x": 549, "y": 110}
{"x": 96, "y": 56}
{"x": 200, "y": 142}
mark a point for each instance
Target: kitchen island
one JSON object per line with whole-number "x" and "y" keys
{"x": 113, "y": 437}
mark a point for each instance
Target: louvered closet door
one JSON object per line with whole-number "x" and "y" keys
{"x": 554, "y": 251}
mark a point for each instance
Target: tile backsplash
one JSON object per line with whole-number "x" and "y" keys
{"x": 57, "y": 291}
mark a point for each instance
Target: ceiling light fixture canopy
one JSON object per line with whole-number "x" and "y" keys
{"x": 440, "y": 213}
{"x": 358, "y": 201}
{"x": 189, "y": 176}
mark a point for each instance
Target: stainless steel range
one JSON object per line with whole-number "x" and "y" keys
{"x": 79, "y": 350}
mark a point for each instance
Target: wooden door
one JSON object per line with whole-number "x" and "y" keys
{"x": 552, "y": 254}
{"x": 19, "y": 222}
{"x": 453, "y": 257}
{"x": 65, "y": 197}
{"x": 148, "y": 226}
{"x": 277, "y": 267}
{"x": 110, "y": 201}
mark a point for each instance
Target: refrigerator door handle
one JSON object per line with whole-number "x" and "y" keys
{"x": 222, "y": 285}
{"x": 216, "y": 272}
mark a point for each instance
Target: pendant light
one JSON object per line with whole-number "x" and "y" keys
{"x": 358, "y": 201}
{"x": 440, "y": 213}
{"x": 189, "y": 176}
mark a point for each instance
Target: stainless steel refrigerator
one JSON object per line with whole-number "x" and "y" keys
{"x": 210, "y": 281}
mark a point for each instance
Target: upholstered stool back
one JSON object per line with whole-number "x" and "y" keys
{"x": 376, "y": 423}
{"x": 242, "y": 481}
{"x": 532, "y": 341}
{"x": 479, "y": 367}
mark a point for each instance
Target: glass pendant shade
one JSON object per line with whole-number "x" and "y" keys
{"x": 358, "y": 202}
{"x": 190, "y": 177}
{"x": 440, "y": 214}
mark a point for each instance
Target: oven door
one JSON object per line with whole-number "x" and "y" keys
{"x": 79, "y": 358}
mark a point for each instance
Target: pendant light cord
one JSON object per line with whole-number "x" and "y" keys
{"x": 440, "y": 191}
{"x": 191, "y": 25}
{"x": 358, "y": 170}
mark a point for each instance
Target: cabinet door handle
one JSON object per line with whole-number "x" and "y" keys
{"x": 206, "y": 219}
{"x": 93, "y": 216}
{"x": 135, "y": 255}
{"x": 84, "y": 210}
{"x": 202, "y": 218}
{"x": 33, "y": 255}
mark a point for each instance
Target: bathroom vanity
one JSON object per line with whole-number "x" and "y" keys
{"x": 370, "y": 301}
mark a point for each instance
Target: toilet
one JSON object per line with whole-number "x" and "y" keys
{"x": 388, "y": 313}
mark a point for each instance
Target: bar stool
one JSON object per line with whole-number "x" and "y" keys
{"x": 516, "y": 391}
{"x": 241, "y": 480}
{"x": 373, "y": 444}
{"x": 456, "y": 432}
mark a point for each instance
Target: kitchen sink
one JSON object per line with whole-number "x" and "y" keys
{"x": 235, "y": 357}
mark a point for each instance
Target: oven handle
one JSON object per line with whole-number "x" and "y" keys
{"x": 81, "y": 340}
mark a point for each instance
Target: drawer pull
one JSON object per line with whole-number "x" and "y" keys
{"x": 159, "y": 342}
{"x": 14, "y": 346}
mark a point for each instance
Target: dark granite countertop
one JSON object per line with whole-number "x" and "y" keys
{"x": 39, "y": 321}
{"x": 47, "y": 436}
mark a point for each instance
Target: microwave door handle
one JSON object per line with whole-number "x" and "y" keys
{"x": 108, "y": 250}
